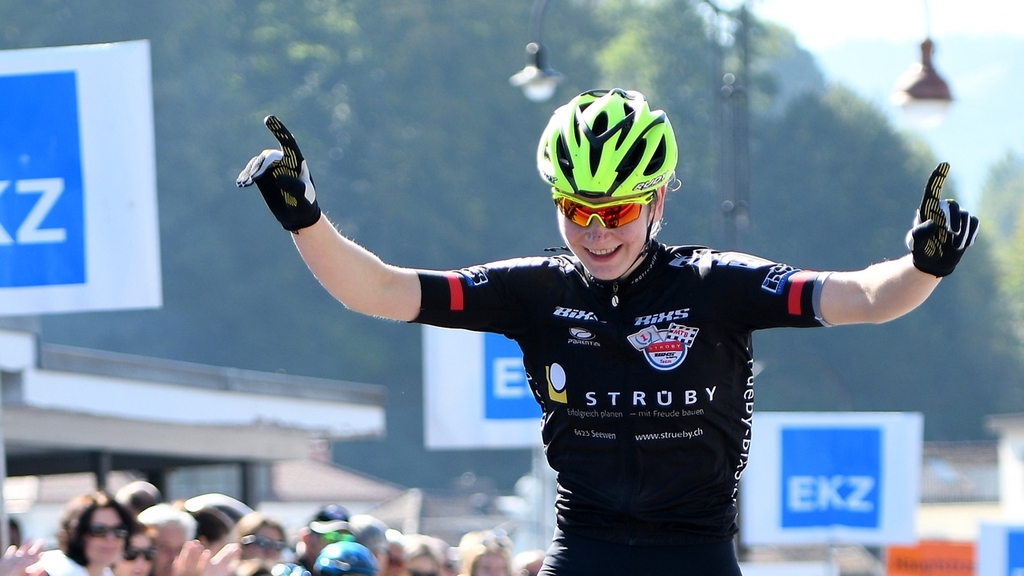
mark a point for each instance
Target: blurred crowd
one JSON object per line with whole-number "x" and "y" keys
{"x": 135, "y": 533}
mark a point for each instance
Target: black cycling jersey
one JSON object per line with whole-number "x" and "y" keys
{"x": 645, "y": 383}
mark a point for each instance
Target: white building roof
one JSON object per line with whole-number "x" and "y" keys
{"x": 65, "y": 407}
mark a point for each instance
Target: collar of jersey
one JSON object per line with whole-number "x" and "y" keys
{"x": 636, "y": 279}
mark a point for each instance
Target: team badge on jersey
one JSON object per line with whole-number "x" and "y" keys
{"x": 665, "y": 349}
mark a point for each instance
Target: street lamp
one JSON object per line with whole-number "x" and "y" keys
{"x": 920, "y": 91}
{"x": 731, "y": 120}
{"x": 537, "y": 81}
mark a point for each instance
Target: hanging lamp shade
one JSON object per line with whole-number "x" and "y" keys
{"x": 537, "y": 81}
{"x": 921, "y": 92}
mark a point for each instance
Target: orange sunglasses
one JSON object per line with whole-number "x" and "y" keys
{"x": 609, "y": 214}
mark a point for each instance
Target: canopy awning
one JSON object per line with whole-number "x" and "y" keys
{"x": 69, "y": 409}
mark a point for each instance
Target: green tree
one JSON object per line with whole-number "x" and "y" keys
{"x": 1002, "y": 208}
{"x": 1002, "y": 198}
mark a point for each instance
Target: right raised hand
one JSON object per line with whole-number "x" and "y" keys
{"x": 942, "y": 231}
{"x": 283, "y": 179}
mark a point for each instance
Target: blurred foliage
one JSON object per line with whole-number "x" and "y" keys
{"x": 1002, "y": 207}
{"x": 1002, "y": 198}
{"x": 422, "y": 152}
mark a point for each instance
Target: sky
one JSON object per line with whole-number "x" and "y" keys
{"x": 979, "y": 51}
{"x": 822, "y": 24}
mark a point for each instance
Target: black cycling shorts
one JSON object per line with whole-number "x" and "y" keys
{"x": 575, "y": 556}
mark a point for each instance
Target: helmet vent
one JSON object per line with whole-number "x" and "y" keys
{"x": 562, "y": 155}
{"x": 622, "y": 137}
{"x": 595, "y": 159}
{"x": 657, "y": 160}
{"x": 632, "y": 160}
{"x": 600, "y": 124}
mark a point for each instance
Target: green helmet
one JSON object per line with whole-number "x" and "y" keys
{"x": 607, "y": 144}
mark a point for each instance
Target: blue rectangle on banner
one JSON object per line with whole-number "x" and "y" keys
{"x": 1014, "y": 553}
{"x": 42, "y": 215}
{"x": 831, "y": 477}
{"x": 507, "y": 394}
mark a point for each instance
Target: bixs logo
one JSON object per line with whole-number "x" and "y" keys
{"x": 662, "y": 317}
{"x": 572, "y": 313}
{"x": 30, "y": 230}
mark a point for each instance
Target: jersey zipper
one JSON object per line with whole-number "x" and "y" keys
{"x": 632, "y": 462}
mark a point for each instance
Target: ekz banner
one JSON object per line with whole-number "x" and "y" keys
{"x": 476, "y": 394}
{"x": 828, "y": 478}
{"x": 78, "y": 209}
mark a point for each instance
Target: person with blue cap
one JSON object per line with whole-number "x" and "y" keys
{"x": 329, "y": 525}
{"x": 342, "y": 558}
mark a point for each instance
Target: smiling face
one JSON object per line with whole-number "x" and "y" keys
{"x": 610, "y": 253}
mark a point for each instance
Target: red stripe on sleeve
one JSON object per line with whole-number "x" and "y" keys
{"x": 455, "y": 292}
{"x": 796, "y": 288}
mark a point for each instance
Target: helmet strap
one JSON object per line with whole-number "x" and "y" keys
{"x": 648, "y": 242}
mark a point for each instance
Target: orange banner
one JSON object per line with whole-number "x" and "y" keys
{"x": 931, "y": 558}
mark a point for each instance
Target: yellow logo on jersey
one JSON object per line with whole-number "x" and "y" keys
{"x": 556, "y": 383}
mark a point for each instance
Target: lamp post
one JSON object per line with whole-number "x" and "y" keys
{"x": 731, "y": 120}
{"x": 537, "y": 81}
{"x": 920, "y": 91}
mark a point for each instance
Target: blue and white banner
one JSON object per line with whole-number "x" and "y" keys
{"x": 78, "y": 210}
{"x": 1001, "y": 549}
{"x": 845, "y": 477}
{"x": 476, "y": 394}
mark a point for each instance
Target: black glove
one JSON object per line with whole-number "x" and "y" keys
{"x": 941, "y": 231}
{"x": 283, "y": 178}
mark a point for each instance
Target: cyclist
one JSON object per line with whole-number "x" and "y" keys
{"x": 638, "y": 353}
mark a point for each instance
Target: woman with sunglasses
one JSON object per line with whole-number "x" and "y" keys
{"x": 638, "y": 353}
{"x": 261, "y": 537}
{"x": 94, "y": 530}
{"x": 137, "y": 559}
